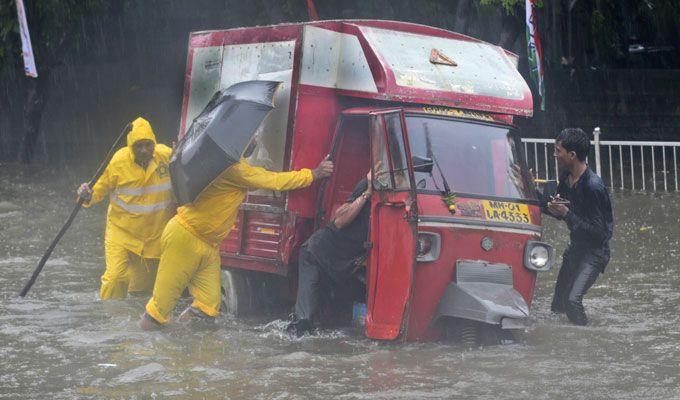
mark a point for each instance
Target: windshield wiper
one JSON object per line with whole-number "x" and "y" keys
{"x": 430, "y": 154}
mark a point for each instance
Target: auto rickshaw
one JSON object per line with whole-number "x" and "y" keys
{"x": 454, "y": 245}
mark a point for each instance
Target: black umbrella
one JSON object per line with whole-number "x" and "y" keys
{"x": 219, "y": 135}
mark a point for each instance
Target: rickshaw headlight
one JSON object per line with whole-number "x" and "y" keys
{"x": 538, "y": 256}
{"x": 428, "y": 246}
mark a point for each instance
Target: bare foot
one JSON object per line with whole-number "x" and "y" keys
{"x": 186, "y": 315}
{"x": 192, "y": 314}
{"x": 147, "y": 323}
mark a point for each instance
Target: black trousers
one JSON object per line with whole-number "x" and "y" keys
{"x": 579, "y": 271}
{"x": 309, "y": 280}
{"x": 326, "y": 284}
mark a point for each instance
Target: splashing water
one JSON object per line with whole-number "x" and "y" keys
{"x": 62, "y": 342}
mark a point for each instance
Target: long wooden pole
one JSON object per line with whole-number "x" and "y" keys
{"x": 71, "y": 217}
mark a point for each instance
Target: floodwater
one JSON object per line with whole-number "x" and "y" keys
{"x": 61, "y": 342}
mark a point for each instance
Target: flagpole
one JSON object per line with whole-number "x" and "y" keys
{"x": 311, "y": 11}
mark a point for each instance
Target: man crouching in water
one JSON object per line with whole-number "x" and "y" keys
{"x": 583, "y": 203}
{"x": 329, "y": 253}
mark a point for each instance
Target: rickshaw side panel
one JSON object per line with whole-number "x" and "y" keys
{"x": 196, "y": 81}
{"x": 317, "y": 113}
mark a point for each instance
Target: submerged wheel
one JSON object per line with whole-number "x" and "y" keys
{"x": 473, "y": 333}
{"x": 238, "y": 297}
{"x": 469, "y": 334}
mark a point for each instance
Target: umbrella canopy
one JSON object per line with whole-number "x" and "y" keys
{"x": 217, "y": 138}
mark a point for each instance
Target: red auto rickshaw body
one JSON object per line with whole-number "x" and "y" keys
{"x": 431, "y": 279}
{"x": 351, "y": 89}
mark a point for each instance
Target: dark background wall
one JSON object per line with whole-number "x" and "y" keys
{"x": 134, "y": 57}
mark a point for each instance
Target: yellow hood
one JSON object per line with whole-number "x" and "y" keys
{"x": 141, "y": 129}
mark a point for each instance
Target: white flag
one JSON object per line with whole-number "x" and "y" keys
{"x": 26, "y": 48}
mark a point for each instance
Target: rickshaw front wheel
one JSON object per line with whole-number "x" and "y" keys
{"x": 471, "y": 333}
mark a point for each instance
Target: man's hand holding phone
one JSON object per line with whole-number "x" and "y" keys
{"x": 558, "y": 206}
{"x": 558, "y": 200}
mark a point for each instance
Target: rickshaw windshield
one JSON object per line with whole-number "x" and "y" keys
{"x": 475, "y": 158}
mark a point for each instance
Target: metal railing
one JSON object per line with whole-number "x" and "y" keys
{"x": 634, "y": 165}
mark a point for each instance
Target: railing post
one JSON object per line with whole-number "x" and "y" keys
{"x": 596, "y": 134}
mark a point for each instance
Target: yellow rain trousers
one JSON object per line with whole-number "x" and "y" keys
{"x": 190, "y": 245}
{"x": 140, "y": 205}
{"x": 126, "y": 272}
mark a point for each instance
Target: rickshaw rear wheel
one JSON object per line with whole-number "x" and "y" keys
{"x": 238, "y": 298}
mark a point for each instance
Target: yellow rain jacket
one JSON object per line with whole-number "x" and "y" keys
{"x": 212, "y": 215}
{"x": 140, "y": 201}
{"x": 190, "y": 256}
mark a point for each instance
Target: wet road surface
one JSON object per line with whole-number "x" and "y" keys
{"x": 61, "y": 342}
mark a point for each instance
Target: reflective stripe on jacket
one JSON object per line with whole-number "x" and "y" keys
{"x": 140, "y": 201}
{"x": 211, "y": 216}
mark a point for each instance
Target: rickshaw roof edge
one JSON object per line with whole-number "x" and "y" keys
{"x": 383, "y": 60}
{"x": 396, "y": 24}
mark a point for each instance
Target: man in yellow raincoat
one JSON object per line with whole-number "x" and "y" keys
{"x": 137, "y": 182}
{"x": 190, "y": 243}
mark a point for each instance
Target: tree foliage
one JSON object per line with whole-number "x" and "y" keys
{"x": 9, "y": 34}
{"x": 58, "y": 28}
{"x": 146, "y": 33}
{"x": 510, "y": 6}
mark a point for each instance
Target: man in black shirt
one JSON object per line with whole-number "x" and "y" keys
{"x": 583, "y": 203}
{"x": 330, "y": 252}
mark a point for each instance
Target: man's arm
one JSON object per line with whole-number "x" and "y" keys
{"x": 245, "y": 175}
{"x": 347, "y": 212}
{"x": 596, "y": 227}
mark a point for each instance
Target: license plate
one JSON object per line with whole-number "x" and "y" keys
{"x": 503, "y": 211}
